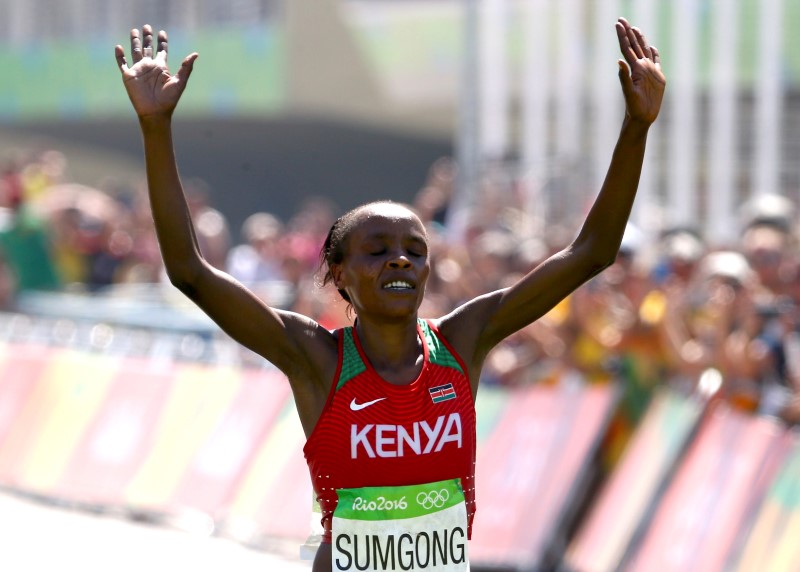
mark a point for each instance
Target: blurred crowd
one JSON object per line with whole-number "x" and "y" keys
{"x": 670, "y": 309}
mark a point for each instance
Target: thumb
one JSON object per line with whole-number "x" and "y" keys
{"x": 625, "y": 77}
{"x": 187, "y": 65}
{"x": 119, "y": 54}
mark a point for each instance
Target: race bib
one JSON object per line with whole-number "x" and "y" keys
{"x": 418, "y": 527}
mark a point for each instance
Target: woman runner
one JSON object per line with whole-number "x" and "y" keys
{"x": 386, "y": 405}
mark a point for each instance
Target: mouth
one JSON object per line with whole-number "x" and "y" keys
{"x": 398, "y": 286}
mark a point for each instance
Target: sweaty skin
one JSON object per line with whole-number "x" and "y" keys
{"x": 388, "y": 245}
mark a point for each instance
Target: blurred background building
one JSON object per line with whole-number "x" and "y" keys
{"x": 355, "y": 98}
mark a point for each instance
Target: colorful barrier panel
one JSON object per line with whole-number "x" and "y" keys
{"x": 21, "y": 368}
{"x": 221, "y": 463}
{"x": 275, "y": 496}
{"x": 200, "y": 397}
{"x": 623, "y": 502}
{"x": 771, "y": 543}
{"x": 149, "y": 435}
{"x": 227, "y": 442}
{"x": 701, "y": 512}
{"x": 531, "y": 472}
{"x": 62, "y": 403}
{"x": 490, "y": 404}
{"x": 120, "y": 437}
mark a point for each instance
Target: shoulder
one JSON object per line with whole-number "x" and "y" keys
{"x": 463, "y": 328}
{"x": 315, "y": 348}
{"x": 311, "y": 365}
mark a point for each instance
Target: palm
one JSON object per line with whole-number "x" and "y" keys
{"x": 644, "y": 101}
{"x": 644, "y": 87}
{"x": 152, "y": 89}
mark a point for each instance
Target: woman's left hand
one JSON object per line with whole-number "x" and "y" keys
{"x": 640, "y": 74}
{"x": 152, "y": 89}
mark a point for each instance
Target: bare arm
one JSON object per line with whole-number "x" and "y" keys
{"x": 297, "y": 345}
{"x": 479, "y": 325}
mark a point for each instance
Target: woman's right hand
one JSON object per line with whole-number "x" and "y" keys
{"x": 153, "y": 91}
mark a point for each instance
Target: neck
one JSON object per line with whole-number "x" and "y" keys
{"x": 390, "y": 346}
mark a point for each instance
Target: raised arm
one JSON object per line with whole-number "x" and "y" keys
{"x": 482, "y": 323}
{"x": 154, "y": 94}
{"x": 297, "y": 345}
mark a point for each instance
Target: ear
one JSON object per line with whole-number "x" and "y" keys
{"x": 336, "y": 274}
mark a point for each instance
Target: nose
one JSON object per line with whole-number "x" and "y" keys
{"x": 399, "y": 262}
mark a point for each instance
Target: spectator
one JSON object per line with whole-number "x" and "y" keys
{"x": 715, "y": 325}
{"x": 770, "y": 251}
{"x": 433, "y": 199}
{"x": 258, "y": 259}
{"x": 8, "y": 286}
{"x": 24, "y": 240}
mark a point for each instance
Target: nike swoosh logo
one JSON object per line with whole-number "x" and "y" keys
{"x": 359, "y": 406}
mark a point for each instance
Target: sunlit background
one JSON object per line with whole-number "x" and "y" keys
{"x": 118, "y": 398}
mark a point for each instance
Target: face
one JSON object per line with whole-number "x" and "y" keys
{"x": 764, "y": 248}
{"x": 386, "y": 266}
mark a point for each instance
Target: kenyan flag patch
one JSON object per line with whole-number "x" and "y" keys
{"x": 442, "y": 393}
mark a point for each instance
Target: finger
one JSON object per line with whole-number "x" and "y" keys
{"x": 187, "y": 65}
{"x": 637, "y": 49}
{"x": 119, "y": 52}
{"x": 643, "y": 43}
{"x": 136, "y": 45}
{"x": 162, "y": 46}
{"x": 656, "y": 55}
{"x": 625, "y": 78}
{"x": 624, "y": 42}
{"x": 147, "y": 41}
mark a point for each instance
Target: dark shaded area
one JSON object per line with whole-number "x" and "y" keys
{"x": 275, "y": 164}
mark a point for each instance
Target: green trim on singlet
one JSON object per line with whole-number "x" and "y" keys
{"x": 352, "y": 364}
{"x": 437, "y": 352}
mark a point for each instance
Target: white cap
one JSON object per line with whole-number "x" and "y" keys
{"x": 727, "y": 264}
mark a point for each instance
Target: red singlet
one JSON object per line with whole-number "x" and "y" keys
{"x": 374, "y": 433}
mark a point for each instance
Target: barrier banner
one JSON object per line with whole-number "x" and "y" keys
{"x": 275, "y": 496}
{"x": 200, "y": 397}
{"x": 21, "y": 369}
{"x": 213, "y": 474}
{"x": 772, "y": 543}
{"x": 489, "y": 407}
{"x": 622, "y": 504}
{"x": 164, "y": 437}
{"x": 698, "y": 518}
{"x": 71, "y": 388}
{"x": 121, "y": 435}
{"x": 531, "y": 469}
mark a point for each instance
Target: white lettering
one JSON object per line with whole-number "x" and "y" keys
{"x": 432, "y": 434}
{"x": 381, "y": 441}
{"x": 453, "y": 423}
{"x": 387, "y": 441}
{"x": 404, "y": 437}
{"x": 357, "y": 437}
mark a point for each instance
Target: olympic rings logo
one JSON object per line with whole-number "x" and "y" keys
{"x": 433, "y": 499}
